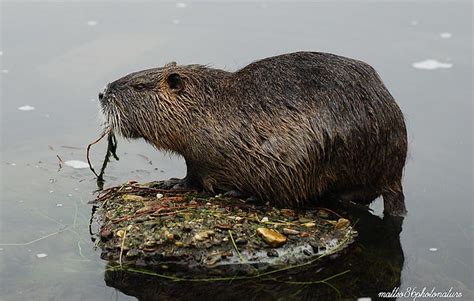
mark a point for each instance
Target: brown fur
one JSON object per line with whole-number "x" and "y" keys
{"x": 285, "y": 129}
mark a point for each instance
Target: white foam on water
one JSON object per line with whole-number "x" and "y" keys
{"x": 446, "y": 35}
{"x": 176, "y": 21}
{"x": 5, "y": 71}
{"x": 59, "y": 205}
{"x": 92, "y": 23}
{"x": 26, "y": 108}
{"x": 181, "y": 5}
{"x": 433, "y": 249}
{"x": 431, "y": 65}
{"x": 1, "y": 53}
{"x": 76, "y": 164}
{"x": 414, "y": 22}
{"x": 41, "y": 255}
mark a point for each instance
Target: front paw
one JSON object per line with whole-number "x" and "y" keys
{"x": 171, "y": 183}
{"x": 178, "y": 184}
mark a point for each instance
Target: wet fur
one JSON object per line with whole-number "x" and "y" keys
{"x": 286, "y": 129}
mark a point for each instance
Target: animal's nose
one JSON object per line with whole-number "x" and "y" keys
{"x": 102, "y": 94}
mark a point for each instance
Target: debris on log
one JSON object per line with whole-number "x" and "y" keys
{"x": 148, "y": 226}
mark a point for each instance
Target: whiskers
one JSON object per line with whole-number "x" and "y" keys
{"x": 111, "y": 116}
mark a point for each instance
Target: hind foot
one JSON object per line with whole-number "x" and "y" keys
{"x": 394, "y": 201}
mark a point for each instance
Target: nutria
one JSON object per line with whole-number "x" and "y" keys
{"x": 286, "y": 129}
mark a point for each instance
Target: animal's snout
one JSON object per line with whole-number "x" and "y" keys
{"x": 102, "y": 94}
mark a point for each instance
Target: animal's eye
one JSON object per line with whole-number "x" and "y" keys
{"x": 139, "y": 86}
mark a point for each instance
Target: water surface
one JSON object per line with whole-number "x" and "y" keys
{"x": 56, "y": 56}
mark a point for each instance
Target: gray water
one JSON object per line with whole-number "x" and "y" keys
{"x": 56, "y": 56}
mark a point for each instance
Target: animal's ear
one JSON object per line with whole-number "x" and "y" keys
{"x": 170, "y": 64}
{"x": 175, "y": 82}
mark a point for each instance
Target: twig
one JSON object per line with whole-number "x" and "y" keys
{"x": 328, "y": 210}
{"x": 318, "y": 281}
{"x": 89, "y": 148}
{"x": 72, "y": 147}
{"x": 122, "y": 246}
{"x": 111, "y": 151}
{"x": 60, "y": 162}
{"x": 151, "y": 211}
{"x": 235, "y": 246}
{"x": 76, "y": 209}
{"x": 80, "y": 251}
{"x": 34, "y": 240}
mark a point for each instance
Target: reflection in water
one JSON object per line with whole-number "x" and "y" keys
{"x": 374, "y": 261}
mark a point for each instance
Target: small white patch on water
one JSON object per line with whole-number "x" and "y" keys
{"x": 433, "y": 249}
{"x": 414, "y": 22}
{"x": 47, "y": 115}
{"x": 26, "y": 108}
{"x": 431, "y": 65}
{"x": 92, "y": 23}
{"x": 51, "y": 191}
{"x": 41, "y": 255}
{"x": 69, "y": 194}
{"x": 1, "y": 249}
{"x": 176, "y": 21}
{"x": 59, "y": 205}
{"x": 445, "y": 35}
{"x": 1, "y": 53}
{"x": 181, "y": 5}
{"x": 12, "y": 164}
{"x": 76, "y": 164}
{"x": 77, "y": 189}
{"x": 5, "y": 71}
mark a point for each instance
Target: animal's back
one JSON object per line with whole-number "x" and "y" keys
{"x": 315, "y": 124}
